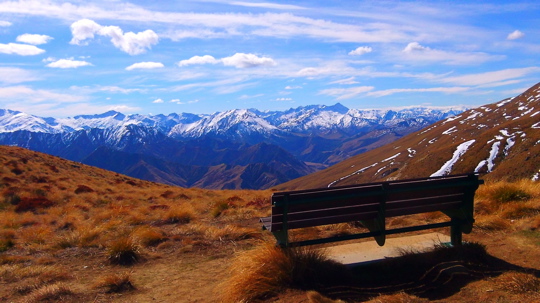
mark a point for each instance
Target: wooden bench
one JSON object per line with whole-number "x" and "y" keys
{"x": 371, "y": 204}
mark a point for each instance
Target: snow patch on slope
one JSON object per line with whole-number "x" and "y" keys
{"x": 460, "y": 151}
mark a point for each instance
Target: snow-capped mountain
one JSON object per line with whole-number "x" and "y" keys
{"x": 500, "y": 141}
{"x": 301, "y": 140}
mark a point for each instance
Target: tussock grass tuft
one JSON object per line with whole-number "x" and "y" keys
{"x": 179, "y": 214}
{"x": 219, "y": 208}
{"x": 58, "y": 292}
{"x": 503, "y": 192}
{"x": 123, "y": 251}
{"x": 115, "y": 283}
{"x": 267, "y": 269}
{"x": 148, "y": 236}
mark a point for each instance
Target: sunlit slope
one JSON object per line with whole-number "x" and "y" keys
{"x": 499, "y": 141}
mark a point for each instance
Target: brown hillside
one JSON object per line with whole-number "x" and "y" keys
{"x": 501, "y": 141}
{"x": 75, "y": 233}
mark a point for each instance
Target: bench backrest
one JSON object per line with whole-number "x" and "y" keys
{"x": 306, "y": 208}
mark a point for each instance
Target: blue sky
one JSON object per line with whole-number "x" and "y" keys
{"x": 158, "y": 57}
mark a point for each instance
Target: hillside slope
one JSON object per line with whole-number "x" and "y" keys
{"x": 500, "y": 141}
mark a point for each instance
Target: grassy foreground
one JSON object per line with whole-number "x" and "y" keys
{"x": 73, "y": 233}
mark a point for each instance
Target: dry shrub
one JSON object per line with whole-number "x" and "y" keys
{"x": 519, "y": 282}
{"x": 51, "y": 293}
{"x": 115, "y": 283}
{"x": 148, "y": 236}
{"x": 266, "y": 270}
{"x": 123, "y": 251}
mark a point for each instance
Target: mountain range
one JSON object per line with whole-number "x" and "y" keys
{"x": 499, "y": 141}
{"x": 243, "y": 148}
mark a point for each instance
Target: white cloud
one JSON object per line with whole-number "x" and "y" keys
{"x": 361, "y": 51}
{"x": 284, "y": 99}
{"x": 448, "y": 90}
{"x": 206, "y": 59}
{"x": 159, "y": 100}
{"x": 145, "y": 65}
{"x": 238, "y": 60}
{"x": 423, "y": 54}
{"x": 68, "y": 63}
{"x": 241, "y": 60}
{"x": 347, "y": 81}
{"x": 12, "y": 75}
{"x": 130, "y": 42}
{"x": 20, "y": 49}
{"x": 34, "y": 39}
{"x": 26, "y": 95}
{"x": 346, "y": 93}
{"x": 267, "y": 5}
{"x": 82, "y": 30}
{"x": 5, "y": 23}
{"x": 293, "y": 87}
{"x": 515, "y": 35}
{"x": 490, "y": 77}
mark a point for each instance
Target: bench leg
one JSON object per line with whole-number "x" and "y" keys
{"x": 456, "y": 235}
{"x": 282, "y": 238}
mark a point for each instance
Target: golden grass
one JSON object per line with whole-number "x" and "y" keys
{"x": 315, "y": 297}
{"x": 267, "y": 270}
{"x": 148, "y": 236}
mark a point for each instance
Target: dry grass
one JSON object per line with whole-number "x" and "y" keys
{"x": 267, "y": 270}
{"x": 115, "y": 283}
{"x": 518, "y": 282}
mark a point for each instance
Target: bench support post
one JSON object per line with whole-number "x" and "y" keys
{"x": 456, "y": 236}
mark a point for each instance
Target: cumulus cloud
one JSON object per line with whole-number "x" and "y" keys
{"x": 34, "y": 39}
{"x": 238, "y": 60}
{"x": 346, "y": 93}
{"x": 159, "y": 100}
{"x": 20, "y": 49}
{"x": 68, "y": 63}
{"x": 241, "y": 60}
{"x": 515, "y": 35}
{"x": 5, "y": 23}
{"x": 145, "y": 65}
{"x": 284, "y": 99}
{"x": 130, "y": 42}
{"x": 206, "y": 59}
{"x": 361, "y": 51}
